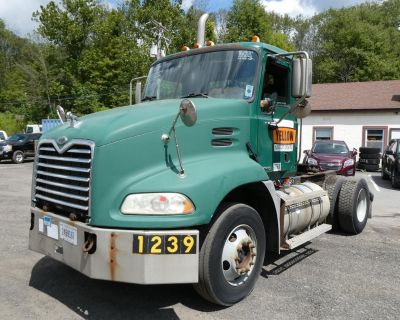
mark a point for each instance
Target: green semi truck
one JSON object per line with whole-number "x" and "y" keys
{"x": 198, "y": 183}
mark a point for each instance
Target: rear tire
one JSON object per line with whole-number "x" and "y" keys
{"x": 332, "y": 185}
{"x": 354, "y": 206}
{"x": 395, "y": 181}
{"x": 229, "y": 264}
{"x": 384, "y": 175}
{"x": 18, "y": 157}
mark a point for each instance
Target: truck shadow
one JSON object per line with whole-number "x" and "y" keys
{"x": 275, "y": 265}
{"x": 385, "y": 184}
{"x": 97, "y": 299}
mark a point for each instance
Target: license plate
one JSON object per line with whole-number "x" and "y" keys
{"x": 164, "y": 244}
{"x": 69, "y": 233}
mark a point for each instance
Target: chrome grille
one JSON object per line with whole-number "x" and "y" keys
{"x": 330, "y": 166}
{"x": 63, "y": 177}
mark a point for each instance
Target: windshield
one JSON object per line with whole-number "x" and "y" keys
{"x": 17, "y": 137}
{"x": 331, "y": 148}
{"x": 219, "y": 74}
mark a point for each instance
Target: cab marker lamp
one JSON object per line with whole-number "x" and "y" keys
{"x": 255, "y": 39}
{"x": 157, "y": 204}
{"x": 185, "y": 48}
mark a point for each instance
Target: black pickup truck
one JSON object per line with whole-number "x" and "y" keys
{"x": 391, "y": 163}
{"x": 18, "y": 147}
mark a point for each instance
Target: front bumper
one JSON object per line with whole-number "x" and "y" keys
{"x": 113, "y": 258}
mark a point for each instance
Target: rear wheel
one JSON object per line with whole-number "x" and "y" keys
{"x": 18, "y": 157}
{"x": 231, "y": 256}
{"x": 384, "y": 175}
{"x": 332, "y": 185}
{"x": 354, "y": 205}
{"x": 395, "y": 180}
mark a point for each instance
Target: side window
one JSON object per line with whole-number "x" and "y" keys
{"x": 276, "y": 83}
{"x": 323, "y": 133}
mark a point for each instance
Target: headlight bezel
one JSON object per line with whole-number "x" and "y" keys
{"x": 157, "y": 204}
{"x": 312, "y": 162}
{"x": 348, "y": 163}
{"x": 7, "y": 148}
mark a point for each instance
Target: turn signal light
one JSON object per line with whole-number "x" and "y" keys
{"x": 255, "y": 39}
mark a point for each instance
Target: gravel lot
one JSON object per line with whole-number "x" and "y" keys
{"x": 333, "y": 277}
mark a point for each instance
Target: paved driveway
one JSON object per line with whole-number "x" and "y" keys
{"x": 333, "y": 277}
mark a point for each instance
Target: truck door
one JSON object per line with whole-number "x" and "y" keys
{"x": 276, "y": 148}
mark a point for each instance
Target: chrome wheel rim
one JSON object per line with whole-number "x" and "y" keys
{"x": 19, "y": 157}
{"x": 362, "y": 205}
{"x": 239, "y": 255}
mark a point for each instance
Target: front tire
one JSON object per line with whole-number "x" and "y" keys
{"x": 231, "y": 256}
{"x": 18, "y": 157}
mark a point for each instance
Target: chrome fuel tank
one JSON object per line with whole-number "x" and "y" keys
{"x": 303, "y": 206}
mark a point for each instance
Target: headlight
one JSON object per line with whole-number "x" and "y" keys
{"x": 157, "y": 203}
{"x": 7, "y": 148}
{"x": 348, "y": 163}
{"x": 312, "y": 162}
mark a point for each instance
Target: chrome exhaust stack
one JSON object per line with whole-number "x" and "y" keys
{"x": 201, "y": 28}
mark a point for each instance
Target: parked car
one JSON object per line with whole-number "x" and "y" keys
{"x": 391, "y": 163}
{"x": 18, "y": 147}
{"x": 331, "y": 155}
{"x": 3, "y": 135}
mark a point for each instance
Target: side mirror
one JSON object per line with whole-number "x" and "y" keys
{"x": 138, "y": 92}
{"x": 61, "y": 113}
{"x": 187, "y": 112}
{"x": 354, "y": 152}
{"x": 301, "y": 77}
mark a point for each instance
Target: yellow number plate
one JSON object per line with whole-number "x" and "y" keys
{"x": 164, "y": 244}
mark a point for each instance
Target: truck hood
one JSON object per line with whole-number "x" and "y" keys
{"x": 125, "y": 122}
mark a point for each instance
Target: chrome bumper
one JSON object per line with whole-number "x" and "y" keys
{"x": 113, "y": 258}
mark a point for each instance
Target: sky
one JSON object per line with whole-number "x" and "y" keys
{"x": 17, "y": 14}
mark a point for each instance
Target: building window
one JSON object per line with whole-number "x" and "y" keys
{"x": 394, "y": 134}
{"x": 323, "y": 133}
{"x": 375, "y": 138}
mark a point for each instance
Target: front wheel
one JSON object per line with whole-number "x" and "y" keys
{"x": 231, "y": 256}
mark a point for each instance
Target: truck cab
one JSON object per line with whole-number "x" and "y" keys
{"x": 192, "y": 184}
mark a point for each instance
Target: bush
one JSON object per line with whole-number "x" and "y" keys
{"x": 9, "y": 124}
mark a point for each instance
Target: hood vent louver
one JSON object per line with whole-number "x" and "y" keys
{"x": 221, "y": 142}
{"x": 222, "y": 131}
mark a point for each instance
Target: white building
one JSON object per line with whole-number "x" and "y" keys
{"x": 359, "y": 113}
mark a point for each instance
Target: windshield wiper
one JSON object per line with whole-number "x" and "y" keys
{"x": 149, "y": 98}
{"x": 194, "y": 95}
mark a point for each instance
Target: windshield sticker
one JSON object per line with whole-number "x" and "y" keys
{"x": 245, "y": 55}
{"x": 277, "y": 166}
{"x": 249, "y": 91}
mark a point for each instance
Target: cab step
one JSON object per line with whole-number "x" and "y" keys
{"x": 306, "y": 236}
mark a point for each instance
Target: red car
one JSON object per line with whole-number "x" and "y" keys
{"x": 331, "y": 155}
